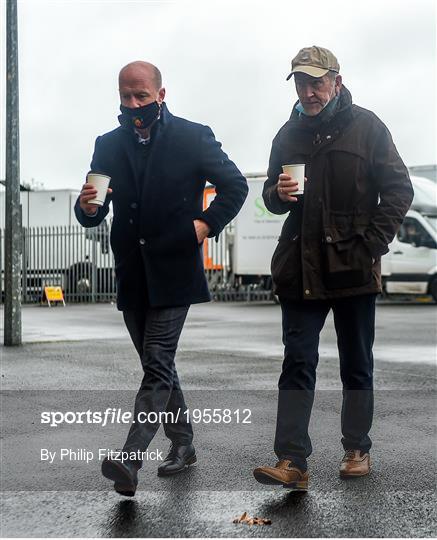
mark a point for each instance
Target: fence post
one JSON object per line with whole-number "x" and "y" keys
{"x": 24, "y": 258}
{"x": 94, "y": 263}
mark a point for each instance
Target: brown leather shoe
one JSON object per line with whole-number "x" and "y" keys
{"x": 284, "y": 473}
{"x": 354, "y": 464}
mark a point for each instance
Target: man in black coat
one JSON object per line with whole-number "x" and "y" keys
{"x": 158, "y": 164}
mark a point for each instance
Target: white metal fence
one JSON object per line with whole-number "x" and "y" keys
{"x": 76, "y": 259}
{"x": 80, "y": 261}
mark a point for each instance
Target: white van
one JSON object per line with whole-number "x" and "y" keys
{"x": 410, "y": 267}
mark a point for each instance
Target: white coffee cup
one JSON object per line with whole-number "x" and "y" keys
{"x": 297, "y": 172}
{"x": 101, "y": 183}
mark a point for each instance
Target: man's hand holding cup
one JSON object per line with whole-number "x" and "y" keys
{"x": 94, "y": 192}
{"x": 286, "y": 186}
{"x": 291, "y": 182}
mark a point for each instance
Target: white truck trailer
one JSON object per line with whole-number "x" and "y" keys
{"x": 43, "y": 208}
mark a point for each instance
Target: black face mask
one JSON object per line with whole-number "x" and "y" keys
{"x": 141, "y": 117}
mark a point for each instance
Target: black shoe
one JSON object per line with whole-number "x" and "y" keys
{"x": 123, "y": 473}
{"x": 179, "y": 457}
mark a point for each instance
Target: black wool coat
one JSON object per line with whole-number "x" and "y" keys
{"x": 152, "y": 235}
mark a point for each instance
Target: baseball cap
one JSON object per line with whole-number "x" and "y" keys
{"x": 314, "y": 61}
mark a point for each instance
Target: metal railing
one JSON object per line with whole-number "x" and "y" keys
{"x": 76, "y": 259}
{"x": 80, "y": 261}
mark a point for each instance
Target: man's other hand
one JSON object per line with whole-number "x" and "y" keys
{"x": 202, "y": 230}
{"x": 87, "y": 194}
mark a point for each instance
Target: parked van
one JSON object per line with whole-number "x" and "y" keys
{"x": 410, "y": 267}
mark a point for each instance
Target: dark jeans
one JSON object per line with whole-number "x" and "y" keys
{"x": 354, "y": 319}
{"x": 155, "y": 333}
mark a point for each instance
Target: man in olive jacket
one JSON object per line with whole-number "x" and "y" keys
{"x": 357, "y": 192}
{"x": 158, "y": 164}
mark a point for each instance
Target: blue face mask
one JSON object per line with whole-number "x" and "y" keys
{"x": 330, "y": 106}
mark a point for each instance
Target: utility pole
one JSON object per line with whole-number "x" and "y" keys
{"x": 12, "y": 313}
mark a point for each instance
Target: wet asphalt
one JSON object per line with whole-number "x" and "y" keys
{"x": 80, "y": 357}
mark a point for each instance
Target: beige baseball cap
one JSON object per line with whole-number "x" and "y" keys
{"x": 314, "y": 61}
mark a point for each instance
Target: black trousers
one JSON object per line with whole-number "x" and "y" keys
{"x": 354, "y": 320}
{"x": 155, "y": 333}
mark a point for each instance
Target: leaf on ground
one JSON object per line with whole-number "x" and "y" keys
{"x": 245, "y": 518}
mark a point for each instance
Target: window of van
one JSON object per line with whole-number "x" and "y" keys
{"x": 412, "y": 232}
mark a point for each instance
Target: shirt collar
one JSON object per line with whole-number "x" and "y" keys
{"x": 140, "y": 138}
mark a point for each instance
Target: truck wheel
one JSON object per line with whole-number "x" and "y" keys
{"x": 433, "y": 289}
{"x": 79, "y": 279}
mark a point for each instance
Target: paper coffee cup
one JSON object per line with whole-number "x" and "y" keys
{"x": 297, "y": 172}
{"x": 101, "y": 183}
